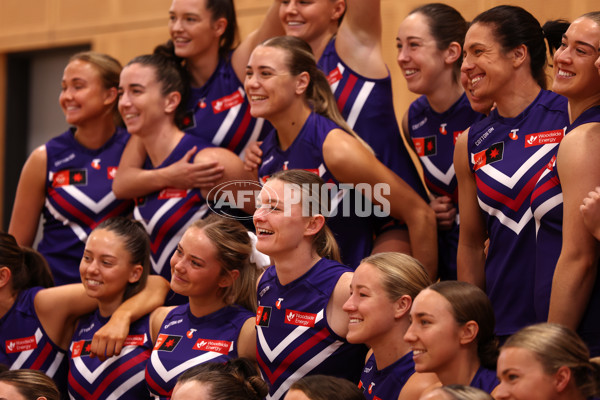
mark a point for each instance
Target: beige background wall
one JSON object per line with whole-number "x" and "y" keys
{"x": 125, "y": 28}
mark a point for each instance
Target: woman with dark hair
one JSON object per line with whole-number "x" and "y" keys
{"x": 570, "y": 293}
{"x": 499, "y": 159}
{"x": 37, "y": 323}
{"x": 114, "y": 267}
{"x": 27, "y": 384}
{"x": 234, "y": 380}
{"x": 452, "y": 334}
{"x": 300, "y": 324}
{"x": 151, "y": 101}
{"x": 430, "y": 51}
{"x": 68, "y": 180}
{"x": 212, "y": 266}
{"x": 547, "y": 362}
{"x": 204, "y": 41}
{"x": 286, "y": 88}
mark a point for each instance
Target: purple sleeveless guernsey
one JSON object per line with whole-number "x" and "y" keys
{"x": 547, "y": 206}
{"x": 507, "y": 156}
{"x": 78, "y": 197}
{"x": 118, "y": 377}
{"x": 25, "y": 344}
{"x": 293, "y": 336}
{"x": 354, "y": 234}
{"x": 185, "y": 341}
{"x": 434, "y": 136}
{"x": 387, "y": 383}
{"x": 166, "y": 214}
{"x": 485, "y": 379}
{"x": 220, "y": 114}
{"x": 367, "y": 105}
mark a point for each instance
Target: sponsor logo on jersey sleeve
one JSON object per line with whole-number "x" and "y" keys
{"x": 172, "y": 193}
{"x": 334, "y": 76}
{"x": 300, "y": 318}
{"x": 134, "y": 340}
{"x": 20, "y": 344}
{"x": 75, "y": 177}
{"x": 263, "y": 316}
{"x": 81, "y": 348}
{"x": 492, "y": 154}
{"x": 167, "y": 342}
{"x": 227, "y": 102}
{"x": 542, "y": 138}
{"x": 215, "y": 346}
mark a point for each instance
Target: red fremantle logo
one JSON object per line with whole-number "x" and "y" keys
{"x": 300, "y": 318}
{"x": 216, "y": 346}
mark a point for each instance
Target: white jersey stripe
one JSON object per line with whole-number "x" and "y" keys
{"x": 228, "y": 121}
{"x": 359, "y": 103}
{"x": 445, "y": 177}
{"x": 511, "y": 224}
{"x": 25, "y": 354}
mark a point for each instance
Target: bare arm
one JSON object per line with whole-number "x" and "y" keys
{"x": 132, "y": 181}
{"x": 590, "y": 210}
{"x": 336, "y": 317}
{"x": 58, "y": 309}
{"x": 576, "y": 269}
{"x": 109, "y": 339}
{"x": 29, "y": 199}
{"x": 418, "y": 384}
{"x": 233, "y": 170}
{"x": 404, "y": 203}
{"x": 470, "y": 254}
{"x": 253, "y": 157}
{"x": 359, "y": 38}
{"x": 271, "y": 26}
{"x": 247, "y": 340}
{"x": 157, "y": 317}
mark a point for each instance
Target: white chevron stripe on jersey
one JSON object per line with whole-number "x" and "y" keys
{"x": 127, "y": 385}
{"x": 168, "y": 375}
{"x": 77, "y": 229}
{"x": 90, "y": 376}
{"x": 513, "y": 225}
{"x": 341, "y": 67}
{"x": 305, "y": 369}
{"x": 511, "y": 181}
{"x": 445, "y": 177}
{"x": 228, "y": 121}
{"x": 94, "y": 206}
{"x": 158, "y": 214}
{"x": 169, "y": 248}
{"x": 18, "y": 363}
{"x": 293, "y": 335}
{"x": 55, "y": 364}
{"x": 359, "y": 103}
{"x": 546, "y": 206}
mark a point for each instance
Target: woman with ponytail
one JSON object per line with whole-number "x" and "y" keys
{"x": 452, "y": 335}
{"x": 547, "y": 361}
{"x": 300, "y": 324}
{"x": 37, "y": 321}
{"x": 286, "y": 88}
{"x": 212, "y": 267}
{"x": 68, "y": 181}
{"x": 152, "y": 104}
{"x": 499, "y": 159}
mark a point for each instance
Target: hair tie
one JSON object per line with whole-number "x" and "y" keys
{"x": 261, "y": 260}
